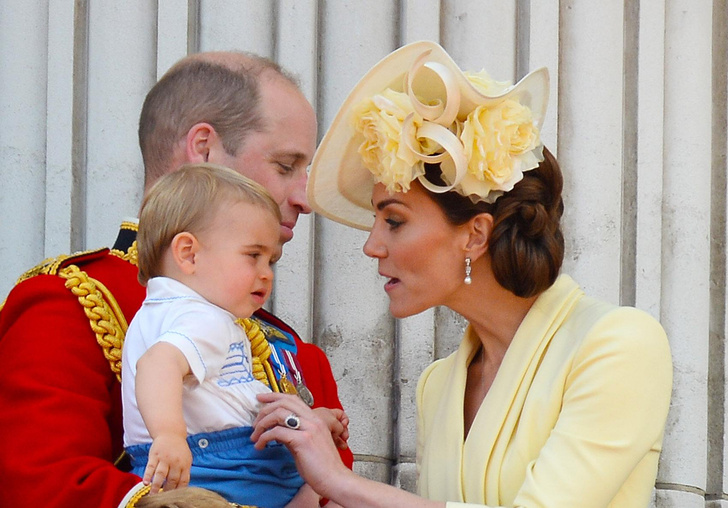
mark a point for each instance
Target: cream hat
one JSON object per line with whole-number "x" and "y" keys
{"x": 435, "y": 119}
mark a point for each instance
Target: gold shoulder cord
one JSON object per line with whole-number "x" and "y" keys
{"x": 260, "y": 349}
{"x": 105, "y": 316}
{"x": 109, "y": 324}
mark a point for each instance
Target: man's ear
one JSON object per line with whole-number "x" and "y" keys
{"x": 480, "y": 228}
{"x": 201, "y": 141}
{"x": 183, "y": 248}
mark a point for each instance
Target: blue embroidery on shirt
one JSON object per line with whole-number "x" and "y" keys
{"x": 237, "y": 368}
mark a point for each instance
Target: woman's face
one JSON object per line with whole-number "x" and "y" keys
{"x": 420, "y": 253}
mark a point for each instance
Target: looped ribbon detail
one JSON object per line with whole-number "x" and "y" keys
{"x": 437, "y": 118}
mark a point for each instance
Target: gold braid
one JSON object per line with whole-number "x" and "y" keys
{"x": 137, "y": 496}
{"x": 260, "y": 350}
{"x": 105, "y": 316}
{"x": 131, "y": 255}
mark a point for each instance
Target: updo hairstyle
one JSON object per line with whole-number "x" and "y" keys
{"x": 526, "y": 246}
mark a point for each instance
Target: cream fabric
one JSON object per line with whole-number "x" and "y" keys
{"x": 574, "y": 418}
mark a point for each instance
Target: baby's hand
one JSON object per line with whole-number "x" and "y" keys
{"x": 338, "y": 424}
{"x": 169, "y": 463}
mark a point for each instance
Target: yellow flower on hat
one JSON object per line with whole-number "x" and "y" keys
{"x": 498, "y": 143}
{"x": 384, "y": 152}
{"x": 483, "y": 153}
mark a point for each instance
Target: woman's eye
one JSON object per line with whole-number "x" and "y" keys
{"x": 286, "y": 168}
{"x": 393, "y": 224}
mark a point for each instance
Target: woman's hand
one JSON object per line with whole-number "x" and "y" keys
{"x": 338, "y": 424}
{"x": 311, "y": 443}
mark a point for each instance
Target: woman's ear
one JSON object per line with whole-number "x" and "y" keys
{"x": 183, "y": 248}
{"x": 480, "y": 228}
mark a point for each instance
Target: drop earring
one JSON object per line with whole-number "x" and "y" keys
{"x": 467, "y": 280}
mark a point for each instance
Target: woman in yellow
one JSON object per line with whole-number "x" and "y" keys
{"x": 553, "y": 399}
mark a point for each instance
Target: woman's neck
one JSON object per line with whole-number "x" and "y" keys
{"x": 494, "y": 314}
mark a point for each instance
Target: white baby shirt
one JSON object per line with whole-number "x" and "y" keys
{"x": 220, "y": 392}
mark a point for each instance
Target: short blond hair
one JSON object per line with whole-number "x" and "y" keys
{"x": 187, "y": 200}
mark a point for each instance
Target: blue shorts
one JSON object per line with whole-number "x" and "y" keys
{"x": 227, "y": 463}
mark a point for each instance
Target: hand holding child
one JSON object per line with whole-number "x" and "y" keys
{"x": 338, "y": 423}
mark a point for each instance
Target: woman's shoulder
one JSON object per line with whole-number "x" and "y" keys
{"x": 624, "y": 334}
{"x": 594, "y": 316}
{"x": 596, "y": 330}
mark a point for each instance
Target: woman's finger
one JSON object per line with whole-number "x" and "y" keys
{"x": 273, "y": 401}
{"x": 276, "y": 433}
{"x": 276, "y": 416}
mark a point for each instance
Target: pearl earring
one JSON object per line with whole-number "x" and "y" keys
{"x": 467, "y": 280}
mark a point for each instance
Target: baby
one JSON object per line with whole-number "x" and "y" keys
{"x": 208, "y": 238}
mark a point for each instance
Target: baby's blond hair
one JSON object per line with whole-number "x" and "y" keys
{"x": 187, "y": 200}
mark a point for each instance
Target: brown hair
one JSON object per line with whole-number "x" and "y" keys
{"x": 188, "y": 497}
{"x": 526, "y": 246}
{"x": 188, "y": 200}
{"x": 221, "y": 89}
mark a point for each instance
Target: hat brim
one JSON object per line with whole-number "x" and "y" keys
{"x": 339, "y": 185}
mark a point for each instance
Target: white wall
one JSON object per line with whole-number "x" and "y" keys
{"x": 637, "y": 117}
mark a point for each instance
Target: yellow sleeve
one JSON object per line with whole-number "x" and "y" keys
{"x": 606, "y": 442}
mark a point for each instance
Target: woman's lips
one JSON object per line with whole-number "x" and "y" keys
{"x": 392, "y": 283}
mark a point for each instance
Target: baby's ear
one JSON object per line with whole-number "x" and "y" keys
{"x": 183, "y": 248}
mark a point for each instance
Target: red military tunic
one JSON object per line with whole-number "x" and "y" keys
{"x": 60, "y": 401}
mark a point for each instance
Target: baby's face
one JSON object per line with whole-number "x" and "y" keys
{"x": 233, "y": 265}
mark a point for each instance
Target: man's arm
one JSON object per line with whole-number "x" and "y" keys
{"x": 60, "y": 404}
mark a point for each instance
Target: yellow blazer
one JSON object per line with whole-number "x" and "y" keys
{"x": 574, "y": 417}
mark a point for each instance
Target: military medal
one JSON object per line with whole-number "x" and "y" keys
{"x": 286, "y": 386}
{"x": 303, "y": 392}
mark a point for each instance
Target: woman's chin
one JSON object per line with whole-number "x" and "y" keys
{"x": 403, "y": 311}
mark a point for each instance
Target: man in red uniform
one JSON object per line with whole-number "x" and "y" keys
{"x": 62, "y": 327}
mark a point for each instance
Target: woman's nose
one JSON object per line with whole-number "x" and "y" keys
{"x": 374, "y": 248}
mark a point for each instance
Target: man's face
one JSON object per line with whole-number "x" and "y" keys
{"x": 278, "y": 156}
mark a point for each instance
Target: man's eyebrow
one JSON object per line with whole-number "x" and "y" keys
{"x": 295, "y": 155}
